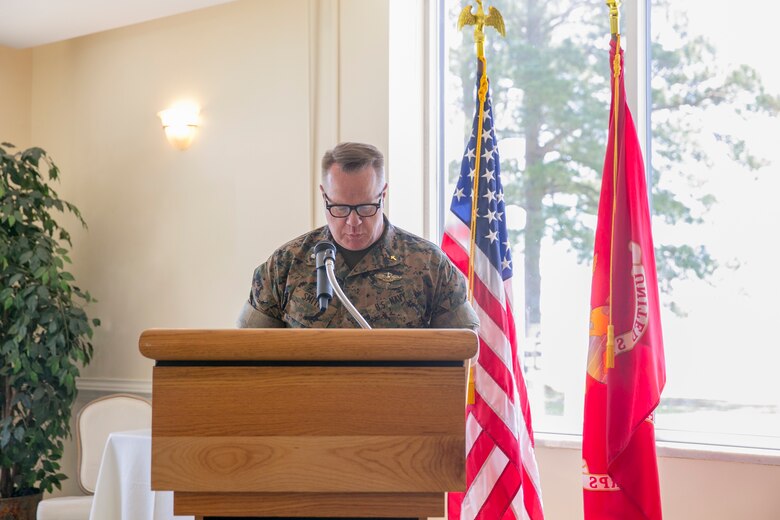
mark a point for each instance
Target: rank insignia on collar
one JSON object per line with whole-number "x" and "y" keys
{"x": 388, "y": 277}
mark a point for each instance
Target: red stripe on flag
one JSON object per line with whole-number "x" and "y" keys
{"x": 495, "y": 427}
{"x": 456, "y": 254}
{"x": 500, "y": 498}
{"x": 454, "y": 505}
{"x": 495, "y": 366}
{"x": 481, "y": 449}
{"x": 531, "y": 499}
{"x": 491, "y": 364}
{"x": 490, "y": 304}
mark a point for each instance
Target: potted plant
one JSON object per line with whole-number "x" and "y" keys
{"x": 45, "y": 335}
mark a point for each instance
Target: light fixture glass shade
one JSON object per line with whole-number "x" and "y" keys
{"x": 180, "y": 123}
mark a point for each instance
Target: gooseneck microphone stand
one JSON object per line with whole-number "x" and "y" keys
{"x": 343, "y": 297}
{"x": 325, "y": 253}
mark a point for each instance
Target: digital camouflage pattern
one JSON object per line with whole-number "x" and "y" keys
{"x": 403, "y": 281}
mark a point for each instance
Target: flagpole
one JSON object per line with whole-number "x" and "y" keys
{"x": 614, "y": 26}
{"x": 614, "y": 16}
{"x": 479, "y": 21}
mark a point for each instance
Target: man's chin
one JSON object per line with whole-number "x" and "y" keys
{"x": 354, "y": 243}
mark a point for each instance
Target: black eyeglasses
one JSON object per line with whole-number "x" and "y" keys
{"x": 343, "y": 210}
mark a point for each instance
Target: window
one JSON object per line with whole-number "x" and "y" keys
{"x": 715, "y": 166}
{"x": 714, "y": 176}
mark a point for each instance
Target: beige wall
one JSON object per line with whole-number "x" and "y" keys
{"x": 15, "y": 96}
{"x": 174, "y": 236}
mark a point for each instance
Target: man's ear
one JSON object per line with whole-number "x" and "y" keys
{"x": 322, "y": 190}
{"x": 384, "y": 192}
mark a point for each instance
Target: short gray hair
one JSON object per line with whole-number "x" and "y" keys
{"x": 353, "y": 157}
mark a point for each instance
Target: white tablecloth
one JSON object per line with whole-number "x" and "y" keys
{"x": 123, "y": 490}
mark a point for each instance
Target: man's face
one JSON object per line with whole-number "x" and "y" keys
{"x": 354, "y": 232}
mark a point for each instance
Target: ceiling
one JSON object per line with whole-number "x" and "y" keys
{"x": 28, "y": 23}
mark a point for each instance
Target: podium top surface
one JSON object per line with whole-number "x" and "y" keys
{"x": 308, "y": 344}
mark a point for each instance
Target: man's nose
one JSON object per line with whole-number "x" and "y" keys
{"x": 353, "y": 219}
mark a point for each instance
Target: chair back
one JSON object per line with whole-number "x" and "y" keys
{"x": 96, "y": 420}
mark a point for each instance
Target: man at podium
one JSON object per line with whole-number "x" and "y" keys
{"x": 395, "y": 279}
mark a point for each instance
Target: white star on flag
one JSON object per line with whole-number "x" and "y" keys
{"x": 492, "y": 236}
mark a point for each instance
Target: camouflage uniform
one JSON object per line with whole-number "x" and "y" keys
{"x": 403, "y": 281}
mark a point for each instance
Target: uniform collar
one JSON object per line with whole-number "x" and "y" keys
{"x": 382, "y": 255}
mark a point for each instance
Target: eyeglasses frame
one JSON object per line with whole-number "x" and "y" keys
{"x": 377, "y": 206}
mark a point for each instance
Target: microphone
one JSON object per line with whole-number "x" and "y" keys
{"x": 324, "y": 251}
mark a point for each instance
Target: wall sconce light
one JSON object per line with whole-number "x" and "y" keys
{"x": 180, "y": 123}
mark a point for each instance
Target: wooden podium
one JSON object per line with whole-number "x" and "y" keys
{"x": 309, "y": 422}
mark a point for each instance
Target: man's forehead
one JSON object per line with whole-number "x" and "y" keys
{"x": 365, "y": 178}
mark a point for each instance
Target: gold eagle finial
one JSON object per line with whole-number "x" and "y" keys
{"x": 479, "y": 20}
{"x": 614, "y": 15}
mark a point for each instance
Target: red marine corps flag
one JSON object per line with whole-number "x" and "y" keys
{"x": 625, "y": 372}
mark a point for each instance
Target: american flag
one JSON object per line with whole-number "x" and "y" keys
{"x": 501, "y": 473}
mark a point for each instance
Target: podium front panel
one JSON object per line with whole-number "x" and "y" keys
{"x": 309, "y": 428}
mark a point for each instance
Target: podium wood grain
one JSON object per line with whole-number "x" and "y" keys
{"x": 259, "y": 401}
{"x": 309, "y": 423}
{"x": 308, "y": 429}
